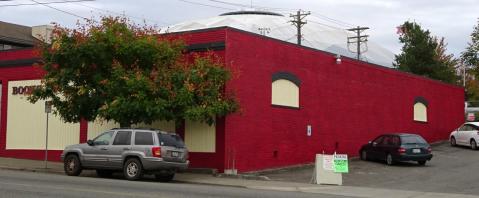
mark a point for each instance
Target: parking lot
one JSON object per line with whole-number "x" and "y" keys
{"x": 452, "y": 170}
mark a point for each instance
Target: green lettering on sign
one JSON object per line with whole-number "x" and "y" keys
{"x": 341, "y": 164}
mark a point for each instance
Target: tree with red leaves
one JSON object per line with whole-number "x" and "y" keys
{"x": 119, "y": 71}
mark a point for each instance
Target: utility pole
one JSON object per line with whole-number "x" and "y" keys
{"x": 298, "y": 22}
{"x": 358, "y": 39}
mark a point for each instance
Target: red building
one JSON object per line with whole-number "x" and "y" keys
{"x": 295, "y": 102}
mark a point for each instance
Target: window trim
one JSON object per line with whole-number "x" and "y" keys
{"x": 285, "y": 107}
{"x": 286, "y": 76}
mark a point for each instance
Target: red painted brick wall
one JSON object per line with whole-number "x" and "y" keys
{"x": 16, "y": 54}
{"x": 199, "y": 159}
{"x": 346, "y": 104}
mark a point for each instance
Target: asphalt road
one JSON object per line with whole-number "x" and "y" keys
{"x": 39, "y": 185}
{"x": 452, "y": 170}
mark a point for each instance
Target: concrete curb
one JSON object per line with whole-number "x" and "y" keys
{"x": 282, "y": 169}
{"x": 244, "y": 176}
{"x": 40, "y": 170}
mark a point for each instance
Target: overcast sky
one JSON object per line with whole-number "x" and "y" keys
{"x": 452, "y": 19}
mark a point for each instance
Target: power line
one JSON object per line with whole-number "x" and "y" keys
{"x": 41, "y": 3}
{"x": 249, "y": 6}
{"x": 229, "y": 3}
{"x": 287, "y": 11}
{"x": 323, "y": 24}
{"x": 121, "y": 14}
{"x": 206, "y": 5}
{"x": 66, "y": 12}
{"x": 336, "y": 21}
{"x": 332, "y": 20}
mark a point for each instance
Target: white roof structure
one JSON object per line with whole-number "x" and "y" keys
{"x": 315, "y": 35}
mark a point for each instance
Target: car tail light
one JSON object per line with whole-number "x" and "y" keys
{"x": 429, "y": 149}
{"x": 156, "y": 151}
{"x": 401, "y": 150}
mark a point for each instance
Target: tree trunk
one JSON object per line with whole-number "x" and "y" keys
{"x": 125, "y": 125}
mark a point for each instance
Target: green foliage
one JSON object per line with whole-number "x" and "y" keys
{"x": 472, "y": 89}
{"x": 470, "y": 59}
{"x": 129, "y": 74}
{"x": 425, "y": 55}
{"x": 471, "y": 55}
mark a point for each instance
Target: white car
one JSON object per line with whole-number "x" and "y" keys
{"x": 466, "y": 135}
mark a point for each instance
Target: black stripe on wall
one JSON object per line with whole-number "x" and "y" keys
{"x": 19, "y": 62}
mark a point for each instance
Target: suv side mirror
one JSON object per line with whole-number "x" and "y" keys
{"x": 89, "y": 142}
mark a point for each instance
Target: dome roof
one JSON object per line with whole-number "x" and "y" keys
{"x": 315, "y": 35}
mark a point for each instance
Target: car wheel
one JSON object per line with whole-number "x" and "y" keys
{"x": 164, "y": 177}
{"x": 422, "y": 163}
{"x": 104, "y": 173}
{"x": 364, "y": 155}
{"x": 453, "y": 141}
{"x": 389, "y": 159}
{"x": 72, "y": 165}
{"x": 473, "y": 145}
{"x": 132, "y": 169}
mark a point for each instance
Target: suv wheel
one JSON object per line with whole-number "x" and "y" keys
{"x": 132, "y": 169}
{"x": 104, "y": 173}
{"x": 72, "y": 165}
{"x": 453, "y": 141}
{"x": 389, "y": 159}
{"x": 164, "y": 177}
{"x": 473, "y": 145}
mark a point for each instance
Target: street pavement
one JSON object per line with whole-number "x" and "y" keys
{"x": 40, "y": 185}
{"x": 451, "y": 173}
{"x": 452, "y": 170}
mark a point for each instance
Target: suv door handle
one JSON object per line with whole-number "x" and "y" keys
{"x": 104, "y": 149}
{"x": 126, "y": 149}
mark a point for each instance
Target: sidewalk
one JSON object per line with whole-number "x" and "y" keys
{"x": 194, "y": 178}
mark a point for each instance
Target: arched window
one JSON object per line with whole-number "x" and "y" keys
{"x": 420, "y": 109}
{"x": 285, "y": 90}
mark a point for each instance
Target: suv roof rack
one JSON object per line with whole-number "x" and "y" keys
{"x": 143, "y": 128}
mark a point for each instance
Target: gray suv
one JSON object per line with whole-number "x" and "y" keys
{"x": 133, "y": 151}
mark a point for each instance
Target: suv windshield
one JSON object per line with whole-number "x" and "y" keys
{"x": 412, "y": 139}
{"x": 170, "y": 140}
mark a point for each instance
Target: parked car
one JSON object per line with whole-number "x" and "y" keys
{"x": 397, "y": 147}
{"x": 133, "y": 151}
{"x": 466, "y": 135}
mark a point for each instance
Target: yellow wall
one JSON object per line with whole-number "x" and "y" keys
{"x": 420, "y": 112}
{"x": 26, "y": 123}
{"x": 162, "y": 125}
{"x": 200, "y": 137}
{"x": 285, "y": 93}
{"x": 99, "y": 126}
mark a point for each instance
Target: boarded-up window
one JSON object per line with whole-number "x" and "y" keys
{"x": 420, "y": 112}
{"x": 200, "y": 137}
{"x": 285, "y": 93}
{"x": 285, "y": 89}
